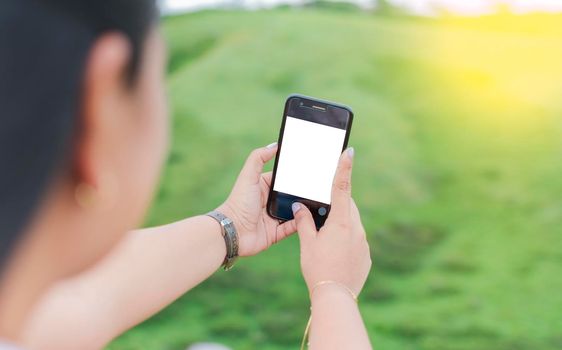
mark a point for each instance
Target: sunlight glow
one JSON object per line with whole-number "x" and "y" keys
{"x": 524, "y": 72}
{"x": 424, "y": 7}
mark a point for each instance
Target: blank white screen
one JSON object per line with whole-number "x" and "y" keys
{"x": 308, "y": 159}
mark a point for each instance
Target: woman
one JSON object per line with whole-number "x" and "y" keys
{"x": 83, "y": 135}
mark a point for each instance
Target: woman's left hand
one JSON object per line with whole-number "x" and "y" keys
{"x": 246, "y": 206}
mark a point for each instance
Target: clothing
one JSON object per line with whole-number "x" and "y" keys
{"x": 8, "y": 346}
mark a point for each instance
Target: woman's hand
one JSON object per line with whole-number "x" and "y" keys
{"x": 339, "y": 251}
{"x": 246, "y": 206}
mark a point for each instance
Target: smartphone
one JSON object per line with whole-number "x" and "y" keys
{"x": 313, "y": 135}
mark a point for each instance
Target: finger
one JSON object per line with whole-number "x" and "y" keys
{"x": 286, "y": 229}
{"x": 356, "y": 223}
{"x": 266, "y": 177}
{"x": 265, "y": 185}
{"x": 355, "y": 217}
{"x": 304, "y": 222}
{"x": 251, "y": 172}
{"x": 341, "y": 189}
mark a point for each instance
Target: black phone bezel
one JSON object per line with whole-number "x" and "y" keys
{"x": 313, "y": 206}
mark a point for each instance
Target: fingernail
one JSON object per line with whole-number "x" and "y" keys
{"x": 272, "y": 145}
{"x": 296, "y": 207}
{"x": 351, "y": 152}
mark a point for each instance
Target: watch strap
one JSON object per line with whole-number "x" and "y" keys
{"x": 230, "y": 236}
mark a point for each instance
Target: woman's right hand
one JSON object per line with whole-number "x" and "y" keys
{"x": 339, "y": 252}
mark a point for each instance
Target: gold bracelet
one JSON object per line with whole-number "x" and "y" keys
{"x": 306, "y": 331}
{"x": 322, "y": 283}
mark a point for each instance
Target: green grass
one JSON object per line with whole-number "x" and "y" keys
{"x": 458, "y": 173}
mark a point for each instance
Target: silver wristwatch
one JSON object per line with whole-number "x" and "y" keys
{"x": 230, "y": 238}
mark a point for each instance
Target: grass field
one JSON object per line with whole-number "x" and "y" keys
{"x": 458, "y": 173}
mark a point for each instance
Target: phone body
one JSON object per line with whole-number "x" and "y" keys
{"x": 313, "y": 135}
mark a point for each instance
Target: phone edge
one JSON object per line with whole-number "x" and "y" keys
{"x": 280, "y": 138}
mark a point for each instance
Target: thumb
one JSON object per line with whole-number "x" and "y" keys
{"x": 304, "y": 221}
{"x": 251, "y": 172}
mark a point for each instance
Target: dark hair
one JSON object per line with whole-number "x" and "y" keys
{"x": 44, "y": 45}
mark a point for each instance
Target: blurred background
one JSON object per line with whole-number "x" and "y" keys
{"x": 458, "y": 170}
